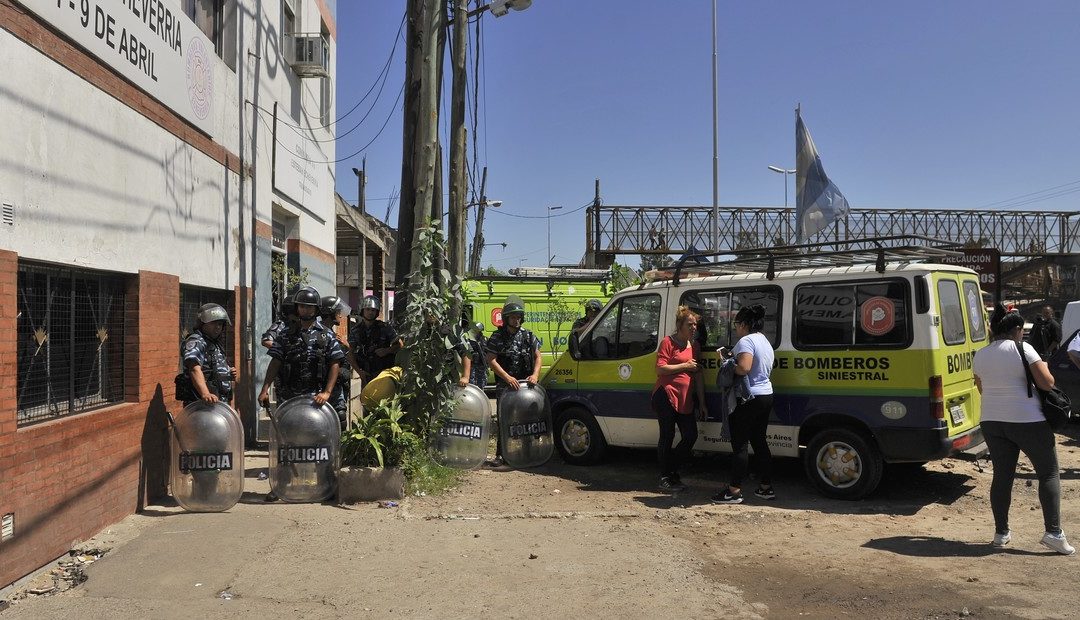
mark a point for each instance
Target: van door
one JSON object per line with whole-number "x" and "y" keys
{"x": 963, "y": 331}
{"x": 618, "y": 369}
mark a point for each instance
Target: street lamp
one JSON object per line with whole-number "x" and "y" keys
{"x": 549, "y": 210}
{"x": 785, "y": 172}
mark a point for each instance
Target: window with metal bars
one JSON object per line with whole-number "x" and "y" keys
{"x": 70, "y": 352}
{"x": 191, "y": 299}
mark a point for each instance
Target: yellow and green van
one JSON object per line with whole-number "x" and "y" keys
{"x": 554, "y": 298}
{"x": 873, "y": 365}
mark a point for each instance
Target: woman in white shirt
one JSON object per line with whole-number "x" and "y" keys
{"x": 1012, "y": 422}
{"x": 749, "y": 421}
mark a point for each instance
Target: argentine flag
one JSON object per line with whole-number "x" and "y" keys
{"x": 818, "y": 202}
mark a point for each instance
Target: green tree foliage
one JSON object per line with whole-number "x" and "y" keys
{"x": 622, "y": 277}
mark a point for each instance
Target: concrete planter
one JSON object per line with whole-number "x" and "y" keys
{"x": 362, "y": 484}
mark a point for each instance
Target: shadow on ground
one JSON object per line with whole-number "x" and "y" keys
{"x": 904, "y": 490}
{"x": 936, "y": 547}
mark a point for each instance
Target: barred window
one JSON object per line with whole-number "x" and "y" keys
{"x": 70, "y": 353}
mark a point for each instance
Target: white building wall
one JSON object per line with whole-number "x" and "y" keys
{"x": 97, "y": 184}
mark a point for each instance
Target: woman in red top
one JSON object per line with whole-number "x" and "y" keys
{"x": 677, "y": 372}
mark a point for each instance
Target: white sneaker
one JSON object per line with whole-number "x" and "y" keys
{"x": 1058, "y": 543}
{"x": 1000, "y": 540}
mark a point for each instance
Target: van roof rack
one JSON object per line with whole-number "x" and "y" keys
{"x": 870, "y": 250}
{"x": 561, "y": 273}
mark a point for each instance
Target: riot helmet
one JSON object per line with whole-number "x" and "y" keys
{"x": 208, "y": 313}
{"x": 307, "y": 296}
{"x": 332, "y": 306}
{"x": 371, "y": 301}
{"x": 513, "y": 305}
{"x": 593, "y": 305}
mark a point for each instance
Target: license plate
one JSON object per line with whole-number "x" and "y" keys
{"x": 957, "y": 414}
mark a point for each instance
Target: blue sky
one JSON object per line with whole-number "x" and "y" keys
{"x": 918, "y": 104}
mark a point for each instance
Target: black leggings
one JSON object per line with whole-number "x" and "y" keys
{"x": 671, "y": 460}
{"x": 749, "y": 423}
{"x": 1006, "y": 440}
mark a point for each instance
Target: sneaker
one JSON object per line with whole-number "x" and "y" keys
{"x": 1058, "y": 543}
{"x": 1000, "y": 540}
{"x": 671, "y": 483}
{"x": 727, "y": 497}
{"x": 765, "y": 493}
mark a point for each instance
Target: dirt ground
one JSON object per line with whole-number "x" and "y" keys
{"x": 564, "y": 541}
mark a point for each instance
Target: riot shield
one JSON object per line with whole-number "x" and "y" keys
{"x": 305, "y": 450}
{"x": 206, "y": 469}
{"x": 525, "y": 426}
{"x": 462, "y": 441}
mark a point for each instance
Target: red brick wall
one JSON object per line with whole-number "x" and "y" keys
{"x": 69, "y": 478}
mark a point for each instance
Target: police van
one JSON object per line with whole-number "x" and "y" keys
{"x": 873, "y": 359}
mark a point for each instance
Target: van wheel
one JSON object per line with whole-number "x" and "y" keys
{"x": 843, "y": 464}
{"x": 579, "y": 438}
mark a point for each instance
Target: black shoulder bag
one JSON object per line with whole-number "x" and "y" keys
{"x": 1056, "y": 406}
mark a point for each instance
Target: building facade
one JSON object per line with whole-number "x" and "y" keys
{"x": 155, "y": 156}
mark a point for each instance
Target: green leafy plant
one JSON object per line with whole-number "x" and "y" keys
{"x": 560, "y": 313}
{"x": 381, "y": 439}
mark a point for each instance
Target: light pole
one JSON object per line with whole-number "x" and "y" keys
{"x": 785, "y": 172}
{"x": 549, "y": 210}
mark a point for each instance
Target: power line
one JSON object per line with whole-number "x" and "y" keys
{"x": 1033, "y": 197}
{"x": 544, "y": 217}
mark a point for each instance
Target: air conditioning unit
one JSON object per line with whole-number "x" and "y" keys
{"x": 308, "y": 55}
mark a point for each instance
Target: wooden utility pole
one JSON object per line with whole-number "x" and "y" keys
{"x": 478, "y": 235}
{"x": 456, "y": 223}
{"x": 420, "y": 156}
{"x": 361, "y": 203}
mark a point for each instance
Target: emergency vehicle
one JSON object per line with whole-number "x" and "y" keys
{"x": 873, "y": 358}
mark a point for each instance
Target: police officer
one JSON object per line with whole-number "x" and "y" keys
{"x": 208, "y": 375}
{"x": 286, "y": 316}
{"x": 513, "y": 353}
{"x": 373, "y": 342}
{"x": 330, "y": 309}
{"x": 592, "y": 308}
{"x": 306, "y": 359}
{"x": 473, "y": 355}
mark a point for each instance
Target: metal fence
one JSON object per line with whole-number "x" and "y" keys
{"x": 70, "y": 353}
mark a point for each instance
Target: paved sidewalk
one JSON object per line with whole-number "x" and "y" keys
{"x": 324, "y": 561}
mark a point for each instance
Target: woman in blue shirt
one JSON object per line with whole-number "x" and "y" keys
{"x": 750, "y": 419}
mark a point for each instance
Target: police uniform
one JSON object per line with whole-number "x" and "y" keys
{"x": 210, "y": 356}
{"x": 276, "y": 330}
{"x": 305, "y": 356}
{"x": 476, "y": 349}
{"x": 515, "y": 353}
{"x": 364, "y": 339}
{"x": 339, "y": 396}
{"x": 578, "y": 324}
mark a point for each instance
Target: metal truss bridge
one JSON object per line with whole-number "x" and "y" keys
{"x": 613, "y": 230}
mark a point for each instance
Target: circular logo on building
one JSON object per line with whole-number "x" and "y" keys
{"x": 624, "y": 371}
{"x": 878, "y": 316}
{"x": 496, "y": 317}
{"x": 200, "y": 78}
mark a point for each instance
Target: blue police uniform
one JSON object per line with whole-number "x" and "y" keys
{"x": 276, "y": 330}
{"x": 514, "y": 352}
{"x": 364, "y": 339}
{"x": 305, "y": 356}
{"x": 210, "y": 356}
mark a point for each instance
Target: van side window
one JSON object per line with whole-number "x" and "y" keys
{"x": 628, "y": 329}
{"x": 952, "y": 315}
{"x": 976, "y": 318}
{"x": 718, "y": 309}
{"x": 845, "y": 315}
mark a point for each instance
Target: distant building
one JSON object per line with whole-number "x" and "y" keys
{"x": 156, "y": 155}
